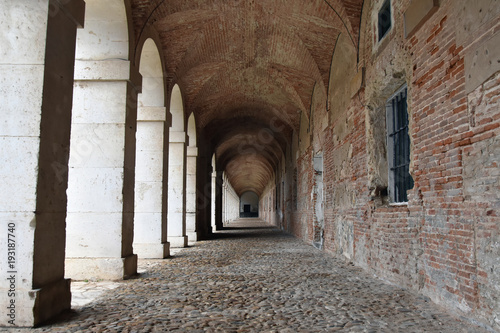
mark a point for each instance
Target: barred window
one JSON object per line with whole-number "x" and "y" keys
{"x": 398, "y": 147}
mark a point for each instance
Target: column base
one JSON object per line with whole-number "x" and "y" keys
{"x": 178, "y": 241}
{"x": 33, "y": 307}
{"x": 101, "y": 268}
{"x": 51, "y": 300}
{"x": 192, "y": 237}
{"x": 152, "y": 251}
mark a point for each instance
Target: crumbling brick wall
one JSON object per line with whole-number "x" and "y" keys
{"x": 445, "y": 241}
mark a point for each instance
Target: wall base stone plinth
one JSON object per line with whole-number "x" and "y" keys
{"x": 152, "y": 251}
{"x": 178, "y": 241}
{"x": 101, "y": 268}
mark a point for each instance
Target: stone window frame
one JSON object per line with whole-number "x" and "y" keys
{"x": 379, "y": 44}
{"x": 394, "y": 171}
{"x": 376, "y": 135}
{"x": 386, "y": 5}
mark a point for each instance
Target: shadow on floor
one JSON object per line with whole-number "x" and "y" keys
{"x": 248, "y": 228}
{"x": 249, "y": 234}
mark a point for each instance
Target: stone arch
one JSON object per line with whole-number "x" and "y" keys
{"x": 177, "y": 110}
{"x": 177, "y": 172}
{"x": 150, "y": 224}
{"x": 342, "y": 70}
{"x": 191, "y": 129}
{"x": 106, "y": 33}
{"x": 151, "y": 70}
{"x": 102, "y": 151}
{"x": 249, "y": 204}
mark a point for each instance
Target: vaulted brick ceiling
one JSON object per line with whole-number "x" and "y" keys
{"x": 247, "y": 69}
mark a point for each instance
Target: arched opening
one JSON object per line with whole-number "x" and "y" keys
{"x": 177, "y": 173}
{"x": 249, "y": 204}
{"x": 99, "y": 222}
{"x": 150, "y": 226}
{"x": 191, "y": 157}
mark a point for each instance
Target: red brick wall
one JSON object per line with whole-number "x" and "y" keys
{"x": 445, "y": 241}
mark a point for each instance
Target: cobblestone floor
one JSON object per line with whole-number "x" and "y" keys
{"x": 255, "y": 280}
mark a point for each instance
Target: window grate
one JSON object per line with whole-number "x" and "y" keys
{"x": 399, "y": 139}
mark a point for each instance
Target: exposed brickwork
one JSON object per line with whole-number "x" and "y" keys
{"x": 243, "y": 65}
{"x": 444, "y": 242}
{"x": 237, "y": 60}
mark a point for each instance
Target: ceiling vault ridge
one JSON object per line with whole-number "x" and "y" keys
{"x": 250, "y": 71}
{"x": 343, "y": 22}
{"x": 138, "y": 38}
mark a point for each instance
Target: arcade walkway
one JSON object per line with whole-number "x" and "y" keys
{"x": 254, "y": 278}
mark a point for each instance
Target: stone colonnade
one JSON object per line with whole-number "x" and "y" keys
{"x": 100, "y": 167}
{"x": 231, "y": 202}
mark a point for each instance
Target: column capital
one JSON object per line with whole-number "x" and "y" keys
{"x": 177, "y": 137}
{"x": 151, "y": 113}
{"x": 107, "y": 70}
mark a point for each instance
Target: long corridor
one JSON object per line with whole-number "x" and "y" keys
{"x": 255, "y": 278}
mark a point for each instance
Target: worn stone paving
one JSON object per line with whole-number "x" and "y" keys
{"x": 256, "y": 280}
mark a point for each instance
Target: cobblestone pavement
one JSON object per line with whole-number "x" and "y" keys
{"x": 85, "y": 292}
{"x": 255, "y": 280}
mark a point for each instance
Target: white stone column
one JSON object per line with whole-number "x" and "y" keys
{"x": 36, "y": 85}
{"x": 192, "y": 155}
{"x": 101, "y": 176}
{"x": 176, "y": 190}
{"x": 150, "y": 224}
{"x": 213, "y": 210}
{"x": 224, "y": 200}
{"x": 219, "y": 202}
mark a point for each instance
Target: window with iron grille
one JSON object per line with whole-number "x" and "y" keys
{"x": 398, "y": 147}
